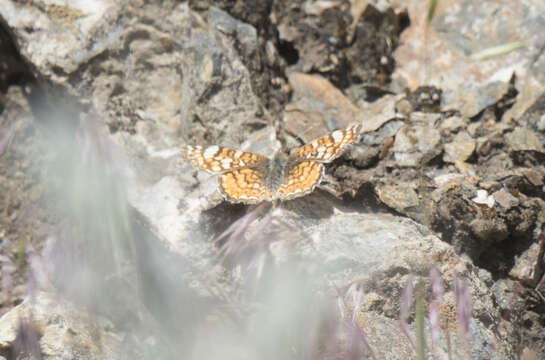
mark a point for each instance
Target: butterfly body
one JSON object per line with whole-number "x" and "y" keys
{"x": 275, "y": 172}
{"x": 251, "y": 178}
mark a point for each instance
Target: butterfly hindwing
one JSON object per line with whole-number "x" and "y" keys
{"x": 300, "y": 179}
{"x": 244, "y": 185}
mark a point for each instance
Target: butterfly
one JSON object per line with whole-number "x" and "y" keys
{"x": 251, "y": 178}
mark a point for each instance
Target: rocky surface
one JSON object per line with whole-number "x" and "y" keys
{"x": 448, "y": 178}
{"x": 61, "y": 328}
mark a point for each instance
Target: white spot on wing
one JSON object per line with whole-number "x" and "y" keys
{"x": 337, "y": 135}
{"x": 210, "y": 151}
{"x": 238, "y": 153}
{"x": 226, "y": 163}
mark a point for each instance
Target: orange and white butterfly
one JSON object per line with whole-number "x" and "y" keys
{"x": 252, "y": 178}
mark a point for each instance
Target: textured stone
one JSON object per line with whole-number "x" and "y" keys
{"x": 460, "y": 149}
{"x": 64, "y": 328}
{"x": 416, "y": 144}
{"x": 524, "y": 139}
{"x": 440, "y": 54}
{"x": 505, "y": 199}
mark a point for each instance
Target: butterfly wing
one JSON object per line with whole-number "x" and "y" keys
{"x": 329, "y": 147}
{"x": 218, "y": 160}
{"x": 301, "y": 179}
{"x": 244, "y": 185}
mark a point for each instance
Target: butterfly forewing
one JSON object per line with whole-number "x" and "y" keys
{"x": 218, "y": 160}
{"x": 329, "y": 147}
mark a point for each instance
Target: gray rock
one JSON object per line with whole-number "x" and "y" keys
{"x": 470, "y": 81}
{"x": 74, "y": 34}
{"x": 528, "y": 266}
{"x": 505, "y": 198}
{"x": 246, "y": 34}
{"x": 399, "y": 197}
{"x": 534, "y": 175}
{"x": 524, "y": 139}
{"x": 64, "y": 328}
{"x": 470, "y": 101}
{"x": 460, "y": 149}
{"x": 416, "y": 144}
{"x": 375, "y": 253}
{"x": 453, "y": 123}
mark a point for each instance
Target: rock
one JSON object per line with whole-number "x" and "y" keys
{"x": 398, "y": 197}
{"x": 534, "y": 176}
{"x": 377, "y": 113}
{"x": 453, "y": 123}
{"x": 64, "y": 329}
{"x": 529, "y": 265}
{"x": 483, "y": 198}
{"x": 416, "y": 144}
{"x": 375, "y": 253}
{"x": 448, "y": 180}
{"x": 469, "y": 82}
{"x": 489, "y": 231}
{"x": 244, "y": 33}
{"x": 508, "y": 294}
{"x": 317, "y": 107}
{"x": 338, "y": 41}
{"x": 535, "y": 115}
{"x": 74, "y": 34}
{"x": 460, "y": 149}
{"x": 425, "y": 99}
{"x": 505, "y": 199}
{"x": 159, "y": 75}
{"x": 524, "y": 139}
{"x": 472, "y": 100}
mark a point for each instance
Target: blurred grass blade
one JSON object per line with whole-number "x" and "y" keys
{"x": 419, "y": 315}
{"x": 431, "y": 10}
{"x": 499, "y": 50}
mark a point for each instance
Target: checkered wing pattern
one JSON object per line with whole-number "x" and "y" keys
{"x": 244, "y": 185}
{"x": 329, "y": 147}
{"x": 218, "y": 160}
{"x": 301, "y": 179}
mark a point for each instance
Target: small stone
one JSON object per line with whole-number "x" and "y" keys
{"x": 453, "y": 123}
{"x": 490, "y": 185}
{"x": 527, "y": 265}
{"x": 541, "y": 123}
{"x": 524, "y": 139}
{"x": 533, "y": 176}
{"x": 483, "y": 198}
{"x": 460, "y": 149}
{"x": 404, "y": 107}
{"x": 505, "y": 198}
{"x": 489, "y": 230}
{"x": 415, "y": 144}
{"x": 448, "y": 179}
{"x": 398, "y": 197}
